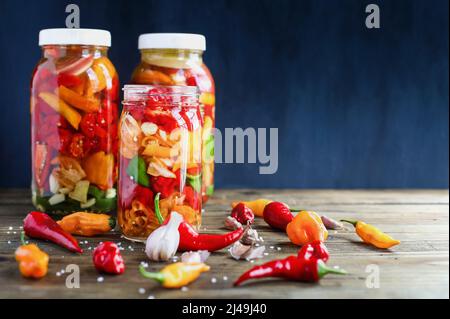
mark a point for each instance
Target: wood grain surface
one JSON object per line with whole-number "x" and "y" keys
{"x": 417, "y": 268}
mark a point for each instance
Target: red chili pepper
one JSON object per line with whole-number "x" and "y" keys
{"x": 190, "y": 240}
{"x": 314, "y": 250}
{"x": 243, "y": 214}
{"x": 277, "y": 215}
{"x": 291, "y": 268}
{"x": 107, "y": 258}
{"x": 68, "y": 79}
{"x": 40, "y": 225}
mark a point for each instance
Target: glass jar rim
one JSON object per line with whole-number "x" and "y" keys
{"x": 143, "y": 90}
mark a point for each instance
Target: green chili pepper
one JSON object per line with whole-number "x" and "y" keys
{"x": 137, "y": 170}
{"x": 195, "y": 181}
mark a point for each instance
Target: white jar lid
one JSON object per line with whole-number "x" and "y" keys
{"x": 187, "y": 41}
{"x": 75, "y": 37}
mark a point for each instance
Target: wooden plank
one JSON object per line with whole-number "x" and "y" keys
{"x": 418, "y": 268}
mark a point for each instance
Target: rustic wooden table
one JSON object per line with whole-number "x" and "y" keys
{"x": 418, "y": 268}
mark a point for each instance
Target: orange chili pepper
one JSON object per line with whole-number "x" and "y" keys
{"x": 372, "y": 235}
{"x": 87, "y": 224}
{"x": 33, "y": 262}
{"x": 305, "y": 228}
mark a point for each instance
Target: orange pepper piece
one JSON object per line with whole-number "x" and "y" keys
{"x": 305, "y": 228}
{"x": 76, "y": 100}
{"x": 152, "y": 77}
{"x": 99, "y": 169}
{"x": 33, "y": 262}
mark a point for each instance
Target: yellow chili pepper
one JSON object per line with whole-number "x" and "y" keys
{"x": 87, "y": 224}
{"x": 176, "y": 275}
{"x": 305, "y": 228}
{"x": 372, "y": 235}
{"x": 33, "y": 262}
{"x": 257, "y": 206}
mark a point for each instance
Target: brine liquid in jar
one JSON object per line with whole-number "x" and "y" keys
{"x": 177, "y": 59}
{"x": 74, "y": 115}
{"x": 160, "y": 153}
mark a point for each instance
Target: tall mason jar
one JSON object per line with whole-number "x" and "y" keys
{"x": 74, "y": 92}
{"x": 160, "y": 155}
{"x": 177, "y": 59}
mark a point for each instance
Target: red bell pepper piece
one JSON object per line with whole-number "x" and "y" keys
{"x": 314, "y": 250}
{"x": 291, "y": 268}
{"x": 40, "y": 225}
{"x": 277, "y": 215}
{"x": 107, "y": 258}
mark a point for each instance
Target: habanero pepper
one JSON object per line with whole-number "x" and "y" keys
{"x": 176, "y": 275}
{"x": 33, "y": 262}
{"x": 291, "y": 268}
{"x": 314, "y": 250}
{"x": 243, "y": 214}
{"x": 107, "y": 258}
{"x": 191, "y": 240}
{"x": 305, "y": 228}
{"x": 372, "y": 235}
{"x": 257, "y": 206}
{"x": 40, "y": 225}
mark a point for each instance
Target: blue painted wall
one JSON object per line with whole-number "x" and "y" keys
{"x": 354, "y": 107}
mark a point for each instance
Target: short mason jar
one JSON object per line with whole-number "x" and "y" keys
{"x": 74, "y": 113}
{"x": 160, "y": 152}
{"x": 177, "y": 59}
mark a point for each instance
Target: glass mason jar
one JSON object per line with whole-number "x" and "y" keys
{"x": 74, "y": 92}
{"x": 176, "y": 59}
{"x": 160, "y": 151}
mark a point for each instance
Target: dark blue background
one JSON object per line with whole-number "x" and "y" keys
{"x": 355, "y": 107}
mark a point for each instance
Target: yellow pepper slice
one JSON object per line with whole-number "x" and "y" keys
{"x": 372, "y": 235}
{"x": 257, "y": 206}
{"x": 71, "y": 115}
{"x": 207, "y": 98}
{"x": 176, "y": 275}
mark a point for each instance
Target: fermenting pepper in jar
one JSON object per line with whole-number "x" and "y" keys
{"x": 160, "y": 155}
{"x": 176, "y": 59}
{"x": 74, "y": 92}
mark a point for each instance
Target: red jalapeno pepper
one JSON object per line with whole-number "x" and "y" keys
{"x": 40, "y": 225}
{"x": 314, "y": 250}
{"x": 291, "y": 268}
{"x": 107, "y": 258}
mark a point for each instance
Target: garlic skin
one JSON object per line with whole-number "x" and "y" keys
{"x": 162, "y": 244}
{"x": 195, "y": 257}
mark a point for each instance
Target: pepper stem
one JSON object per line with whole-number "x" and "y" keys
{"x": 159, "y": 277}
{"x": 323, "y": 270}
{"x": 22, "y": 238}
{"x": 157, "y": 211}
{"x": 353, "y": 222}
